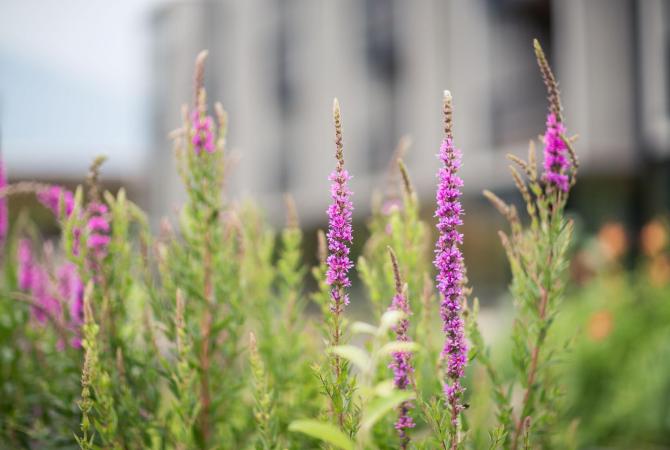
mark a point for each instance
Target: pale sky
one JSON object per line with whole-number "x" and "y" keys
{"x": 73, "y": 84}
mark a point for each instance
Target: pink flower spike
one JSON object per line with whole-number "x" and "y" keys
{"x": 98, "y": 223}
{"x": 556, "y": 161}
{"x": 449, "y": 264}
{"x": 51, "y": 198}
{"x": 340, "y": 231}
{"x": 203, "y": 132}
{"x": 25, "y": 267}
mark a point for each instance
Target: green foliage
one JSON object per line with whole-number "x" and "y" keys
{"x": 375, "y": 399}
{"x": 618, "y": 365}
{"x": 165, "y": 362}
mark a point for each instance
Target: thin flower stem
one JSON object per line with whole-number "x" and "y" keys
{"x": 532, "y": 373}
{"x": 339, "y": 239}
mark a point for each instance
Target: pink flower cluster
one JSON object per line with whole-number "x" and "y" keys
{"x": 98, "y": 229}
{"x": 401, "y": 364}
{"x": 97, "y": 226}
{"x": 52, "y": 198}
{"x": 203, "y": 132}
{"x": 556, "y": 162}
{"x": 449, "y": 264}
{"x": 52, "y": 300}
{"x": 340, "y": 236}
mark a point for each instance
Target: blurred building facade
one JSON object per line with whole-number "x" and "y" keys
{"x": 277, "y": 64}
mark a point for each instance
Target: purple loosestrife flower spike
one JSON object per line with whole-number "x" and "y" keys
{"x": 339, "y": 225}
{"x": 71, "y": 290}
{"x": 556, "y": 162}
{"x": 556, "y": 154}
{"x": 26, "y": 264}
{"x": 98, "y": 229}
{"x": 4, "y": 213}
{"x": 401, "y": 362}
{"x": 449, "y": 264}
{"x": 51, "y": 198}
{"x": 202, "y": 133}
{"x": 40, "y": 289}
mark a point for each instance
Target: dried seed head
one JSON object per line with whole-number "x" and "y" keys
{"x": 448, "y": 110}
{"x": 23, "y": 187}
{"x": 574, "y": 160}
{"x": 508, "y": 211}
{"x": 504, "y": 240}
{"x": 496, "y": 201}
{"x": 520, "y": 184}
{"x": 404, "y": 143}
{"x": 391, "y": 176}
{"x": 88, "y": 309}
{"x": 199, "y": 76}
{"x": 291, "y": 212}
{"x": 553, "y": 94}
{"x": 322, "y": 246}
{"x": 520, "y": 162}
{"x": 202, "y": 103}
{"x": 337, "y": 119}
{"x": 396, "y": 270}
{"x": 93, "y": 178}
{"x": 407, "y": 183}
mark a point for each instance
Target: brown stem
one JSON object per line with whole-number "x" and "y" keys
{"x": 533, "y": 369}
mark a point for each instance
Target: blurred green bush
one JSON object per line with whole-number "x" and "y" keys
{"x": 617, "y": 375}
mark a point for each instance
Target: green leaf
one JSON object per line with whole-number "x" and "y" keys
{"x": 381, "y": 405}
{"x": 353, "y": 354}
{"x": 326, "y": 432}
{"x": 363, "y": 328}
{"x": 385, "y": 388}
{"x": 389, "y": 319}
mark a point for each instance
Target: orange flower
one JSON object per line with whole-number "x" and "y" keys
{"x": 653, "y": 238}
{"x": 600, "y": 325}
{"x": 659, "y": 270}
{"x": 612, "y": 240}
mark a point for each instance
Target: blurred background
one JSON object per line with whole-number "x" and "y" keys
{"x": 80, "y": 78}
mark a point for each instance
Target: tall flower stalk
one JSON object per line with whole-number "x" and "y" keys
{"x": 401, "y": 362}
{"x": 556, "y": 164}
{"x": 340, "y": 235}
{"x": 202, "y": 138}
{"x": 449, "y": 264}
{"x": 538, "y": 259}
{"x": 560, "y": 160}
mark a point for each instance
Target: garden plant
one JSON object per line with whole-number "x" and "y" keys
{"x": 204, "y": 335}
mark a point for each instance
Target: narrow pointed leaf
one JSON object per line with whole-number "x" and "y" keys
{"x": 324, "y": 431}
